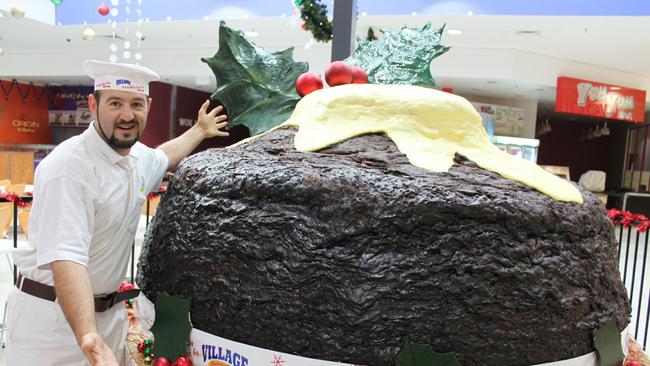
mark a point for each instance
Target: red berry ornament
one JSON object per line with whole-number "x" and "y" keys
{"x": 126, "y": 286}
{"x": 182, "y": 361}
{"x": 161, "y": 361}
{"x": 359, "y": 75}
{"x": 103, "y": 10}
{"x": 307, "y": 83}
{"x": 338, "y": 73}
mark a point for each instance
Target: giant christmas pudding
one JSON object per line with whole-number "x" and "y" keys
{"x": 378, "y": 214}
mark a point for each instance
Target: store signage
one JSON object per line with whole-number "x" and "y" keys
{"x": 592, "y": 98}
{"x": 25, "y": 126}
{"x": 186, "y": 122}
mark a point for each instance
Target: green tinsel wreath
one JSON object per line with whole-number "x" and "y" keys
{"x": 314, "y": 13}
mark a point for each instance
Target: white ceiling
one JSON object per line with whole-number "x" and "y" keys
{"x": 516, "y": 57}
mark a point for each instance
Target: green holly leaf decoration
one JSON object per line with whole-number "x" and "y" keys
{"x": 607, "y": 341}
{"x": 400, "y": 58}
{"x": 415, "y": 354}
{"x": 257, "y": 87}
{"x": 171, "y": 329}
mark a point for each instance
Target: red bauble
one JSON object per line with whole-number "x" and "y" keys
{"x": 161, "y": 361}
{"x": 359, "y": 75}
{"x": 103, "y": 10}
{"x": 307, "y": 83}
{"x": 338, "y": 73}
{"x": 126, "y": 286}
{"x": 182, "y": 361}
{"x": 633, "y": 363}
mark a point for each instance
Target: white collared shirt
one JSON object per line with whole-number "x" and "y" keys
{"x": 86, "y": 208}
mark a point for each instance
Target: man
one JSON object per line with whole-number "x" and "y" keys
{"x": 87, "y": 198}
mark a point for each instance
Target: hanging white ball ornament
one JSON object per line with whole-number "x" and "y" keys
{"x": 88, "y": 34}
{"x": 17, "y": 11}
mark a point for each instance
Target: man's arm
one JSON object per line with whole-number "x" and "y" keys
{"x": 75, "y": 295}
{"x": 207, "y": 125}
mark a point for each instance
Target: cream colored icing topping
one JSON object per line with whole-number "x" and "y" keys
{"x": 427, "y": 125}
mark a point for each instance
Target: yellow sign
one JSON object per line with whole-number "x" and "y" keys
{"x": 25, "y": 126}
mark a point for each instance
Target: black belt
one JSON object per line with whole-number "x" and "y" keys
{"x": 47, "y": 292}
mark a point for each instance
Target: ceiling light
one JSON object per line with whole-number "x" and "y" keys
{"x": 251, "y": 33}
{"x": 528, "y": 33}
{"x": 454, "y": 32}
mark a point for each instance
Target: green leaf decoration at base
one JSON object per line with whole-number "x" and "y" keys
{"x": 416, "y": 354}
{"x": 171, "y": 329}
{"x": 400, "y": 58}
{"x": 607, "y": 341}
{"x": 256, "y": 86}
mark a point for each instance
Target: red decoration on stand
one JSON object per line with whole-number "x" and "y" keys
{"x": 338, "y": 73}
{"x": 307, "y": 83}
{"x": 13, "y": 197}
{"x": 627, "y": 219}
{"x": 153, "y": 195}
{"x": 103, "y": 10}
{"x": 126, "y": 286}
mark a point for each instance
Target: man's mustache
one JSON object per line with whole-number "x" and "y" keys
{"x": 126, "y": 123}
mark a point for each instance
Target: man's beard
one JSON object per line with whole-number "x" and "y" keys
{"x": 123, "y": 144}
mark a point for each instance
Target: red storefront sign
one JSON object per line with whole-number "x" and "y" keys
{"x": 592, "y": 98}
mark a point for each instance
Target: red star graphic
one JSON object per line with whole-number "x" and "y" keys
{"x": 277, "y": 360}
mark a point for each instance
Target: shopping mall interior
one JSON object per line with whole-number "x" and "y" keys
{"x": 563, "y": 84}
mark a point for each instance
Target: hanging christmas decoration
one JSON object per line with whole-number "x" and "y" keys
{"x": 17, "y": 11}
{"x": 88, "y": 34}
{"x": 314, "y": 13}
{"x": 103, "y": 10}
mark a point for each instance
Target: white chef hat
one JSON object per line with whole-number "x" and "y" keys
{"x": 117, "y": 76}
